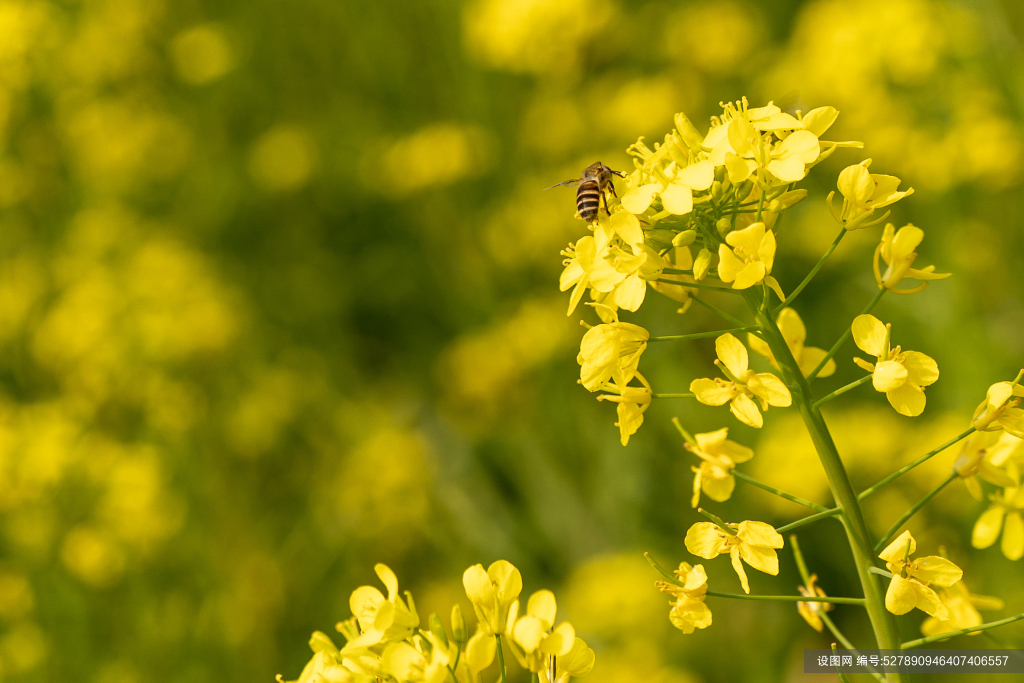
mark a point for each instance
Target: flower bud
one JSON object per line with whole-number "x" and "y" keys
{"x": 724, "y": 226}
{"x": 684, "y": 238}
{"x": 437, "y": 628}
{"x": 716, "y": 189}
{"x": 320, "y": 641}
{"x": 688, "y": 132}
{"x": 459, "y": 632}
{"x": 701, "y": 265}
{"x": 659, "y": 239}
{"x": 677, "y": 151}
{"x": 786, "y": 200}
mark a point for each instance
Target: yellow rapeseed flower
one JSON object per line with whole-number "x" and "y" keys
{"x": 754, "y": 542}
{"x": 719, "y": 456}
{"x": 750, "y": 259}
{"x": 610, "y": 350}
{"x": 911, "y": 579}
{"x": 794, "y": 332}
{"x": 578, "y": 661}
{"x": 988, "y": 456}
{"x": 1006, "y": 514}
{"x": 900, "y": 375}
{"x": 811, "y": 611}
{"x": 688, "y": 609}
{"x": 633, "y": 403}
{"x": 999, "y": 409}
{"x": 743, "y": 384}
{"x": 963, "y": 607}
{"x": 863, "y": 193}
{"x": 492, "y": 593}
{"x": 381, "y": 620}
{"x": 535, "y": 638}
{"x": 424, "y": 660}
{"x": 897, "y": 250}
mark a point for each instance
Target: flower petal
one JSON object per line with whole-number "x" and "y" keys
{"x": 1013, "y": 537}
{"x": 987, "y": 528}
{"x": 704, "y": 539}
{"x": 907, "y": 400}
{"x": 869, "y": 334}
{"x": 746, "y": 411}
{"x": 734, "y": 556}
{"x": 732, "y": 352}
{"x": 889, "y": 376}
{"x": 894, "y": 551}
{"x": 937, "y": 570}
{"x": 921, "y": 369}
{"x": 712, "y": 393}
{"x": 677, "y": 199}
{"x": 770, "y": 388}
{"x": 901, "y": 597}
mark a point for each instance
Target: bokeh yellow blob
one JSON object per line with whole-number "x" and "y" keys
{"x": 202, "y": 54}
{"x": 435, "y": 155}
{"x": 533, "y": 35}
{"x": 283, "y": 159}
{"x": 92, "y": 556}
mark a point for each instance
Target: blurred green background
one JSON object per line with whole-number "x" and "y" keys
{"x": 278, "y": 300}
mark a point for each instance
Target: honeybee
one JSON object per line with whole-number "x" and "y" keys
{"x": 595, "y": 179}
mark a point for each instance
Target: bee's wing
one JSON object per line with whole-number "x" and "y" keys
{"x": 574, "y": 181}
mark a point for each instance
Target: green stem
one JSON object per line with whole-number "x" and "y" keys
{"x": 842, "y": 339}
{"x": 882, "y": 621}
{"x": 782, "y": 494}
{"x": 718, "y": 522}
{"x": 943, "y": 636}
{"x": 702, "y": 335}
{"x": 887, "y": 536}
{"x": 881, "y": 572}
{"x": 722, "y": 314}
{"x": 661, "y": 570}
{"x": 698, "y": 285}
{"x": 501, "y": 658}
{"x": 906, "y": 468}
{"x": 841, "y": 391}
{"x": 801, "y": 566}
{"x": 814, "y": 271}
{"x": 807, "y": 520}
{"x": 789, "y": 598}
{"x": 839, "y": 672}
{"x": 672, "y": 395}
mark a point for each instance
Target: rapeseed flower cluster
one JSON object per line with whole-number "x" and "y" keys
{"x": 698, "y": 212}
{"x": 386, "y": 642}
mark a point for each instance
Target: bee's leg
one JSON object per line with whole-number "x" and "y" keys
{"x": 605, "y": 198}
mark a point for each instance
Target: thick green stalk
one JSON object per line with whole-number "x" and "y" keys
{"x": 882, "y": 622}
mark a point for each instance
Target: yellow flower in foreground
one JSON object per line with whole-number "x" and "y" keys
{"x": 988, "y": 456}
{"x": 381, "y": 620}
{"x": 811, "y": 611}
{"x": 492, "y": 593}
{"x": 999, "y": 409}
{"x": 633, "y": 402}
{"x": 751, "y": 258}
{"x": 610, "y": 350}
{"x": 900, "y": 375}
{"x": 1005, "y": 514}
{"x": 579, "y": 661}
{"x": 425, "y": 662}
{"x": 754, "y": 542}
{"x": 743, "y": 384}
{"x": 534, "y": 641}
{"x": 479, "y": 654}
{"x": 863, "y": 192}
{"x": 719, "y": 456}
{"x": 688, "y": 609}
{"x": 794, "y": 332}
{"x": 897, "y": 250}
{"x": 911, "y": 579}
{"x": 323, "y": 667}
{"x": 963, "y": 609}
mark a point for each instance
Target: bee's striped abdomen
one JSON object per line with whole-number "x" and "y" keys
{"x": 588, "y": 200}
